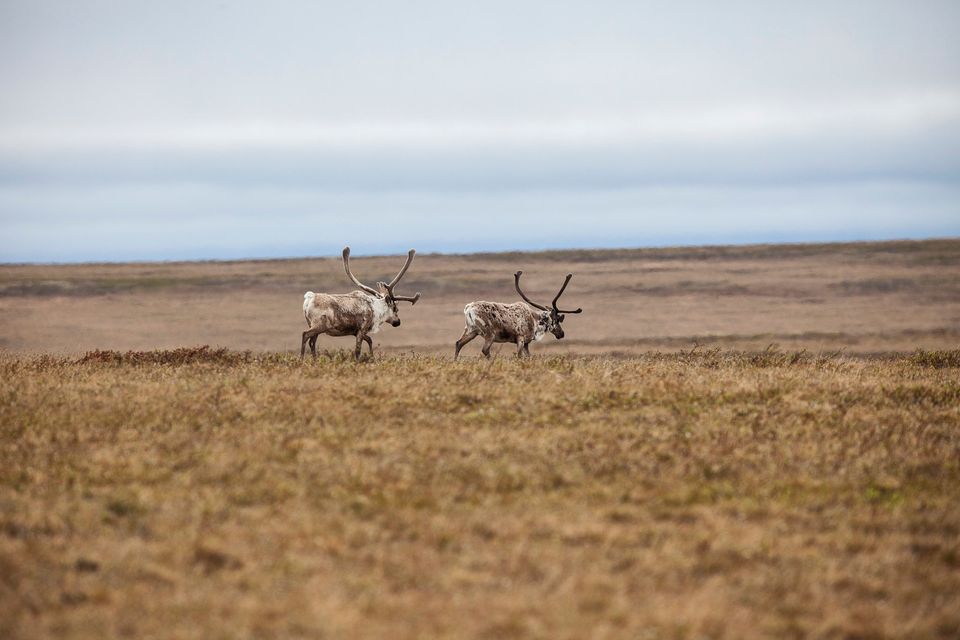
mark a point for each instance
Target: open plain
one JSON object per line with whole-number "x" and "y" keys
{"x": 858, "y": 297}
{"x": 662, "y": 473}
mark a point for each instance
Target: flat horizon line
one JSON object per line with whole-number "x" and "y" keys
{"x": 533, "y": 251}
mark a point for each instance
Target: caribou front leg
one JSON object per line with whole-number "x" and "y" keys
{"x": 521, "y": 345}
{"x": 369, "y": 342}
{"x": 360, "y": 338}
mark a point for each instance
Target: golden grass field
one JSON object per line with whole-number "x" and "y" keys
{"x": 624, "y": 483}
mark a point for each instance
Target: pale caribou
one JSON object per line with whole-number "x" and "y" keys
{"x": 358, "y": 313}
{"x": 519, "y": 322}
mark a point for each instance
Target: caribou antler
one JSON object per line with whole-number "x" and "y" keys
{"x": 557, "y": 297}
{"x": 406, "y": 266}
{"x": 393, "y": 283}
{"x": 516, "y": 282}
{"x": 346, "y": 267}
{"x": 410, "y": 299}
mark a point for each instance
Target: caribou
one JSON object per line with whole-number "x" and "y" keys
{"x": 358, "y": 313}
{"x": 519, "y": 322}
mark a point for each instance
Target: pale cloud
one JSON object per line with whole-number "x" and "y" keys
{"x": 196, "y": 129}
{"x": 888, "y": 115}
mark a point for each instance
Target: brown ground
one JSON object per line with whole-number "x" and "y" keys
{"x": 860, "y": 297}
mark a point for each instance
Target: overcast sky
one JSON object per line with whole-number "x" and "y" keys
{"x": 168, "y": 130}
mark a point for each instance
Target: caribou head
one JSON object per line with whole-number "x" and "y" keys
{"x": 384, "y": 290}
{"x": 552, "y": 318}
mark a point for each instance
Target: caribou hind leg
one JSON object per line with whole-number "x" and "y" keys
{"x": 311, "y": 336}
{"x": 467, "y": 336}
{"x": 487, "y": 343}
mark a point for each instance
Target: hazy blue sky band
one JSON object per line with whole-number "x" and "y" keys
{"x": 152, "y": 223}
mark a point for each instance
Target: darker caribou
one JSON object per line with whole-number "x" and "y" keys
{"x": 520, "y": 322}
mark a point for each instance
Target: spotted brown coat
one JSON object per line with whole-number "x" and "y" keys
{"x": 359, "y": 313}
{"x": 520, "y": 322}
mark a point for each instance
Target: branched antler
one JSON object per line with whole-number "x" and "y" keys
{"x": 411, "y": 299}
{"x": 560, "y": 293}
{"x": 346, "y": 267}
{"x": 516, "y": 282}
{"x": 389, "y": 286}
{"x": 406, "y": 266}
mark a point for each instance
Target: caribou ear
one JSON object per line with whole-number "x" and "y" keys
{"x": 560, "y": 318}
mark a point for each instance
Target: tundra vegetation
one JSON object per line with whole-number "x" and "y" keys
{"x": 206, "y": 493}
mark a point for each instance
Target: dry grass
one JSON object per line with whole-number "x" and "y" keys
{"x": 208, "y": 494}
